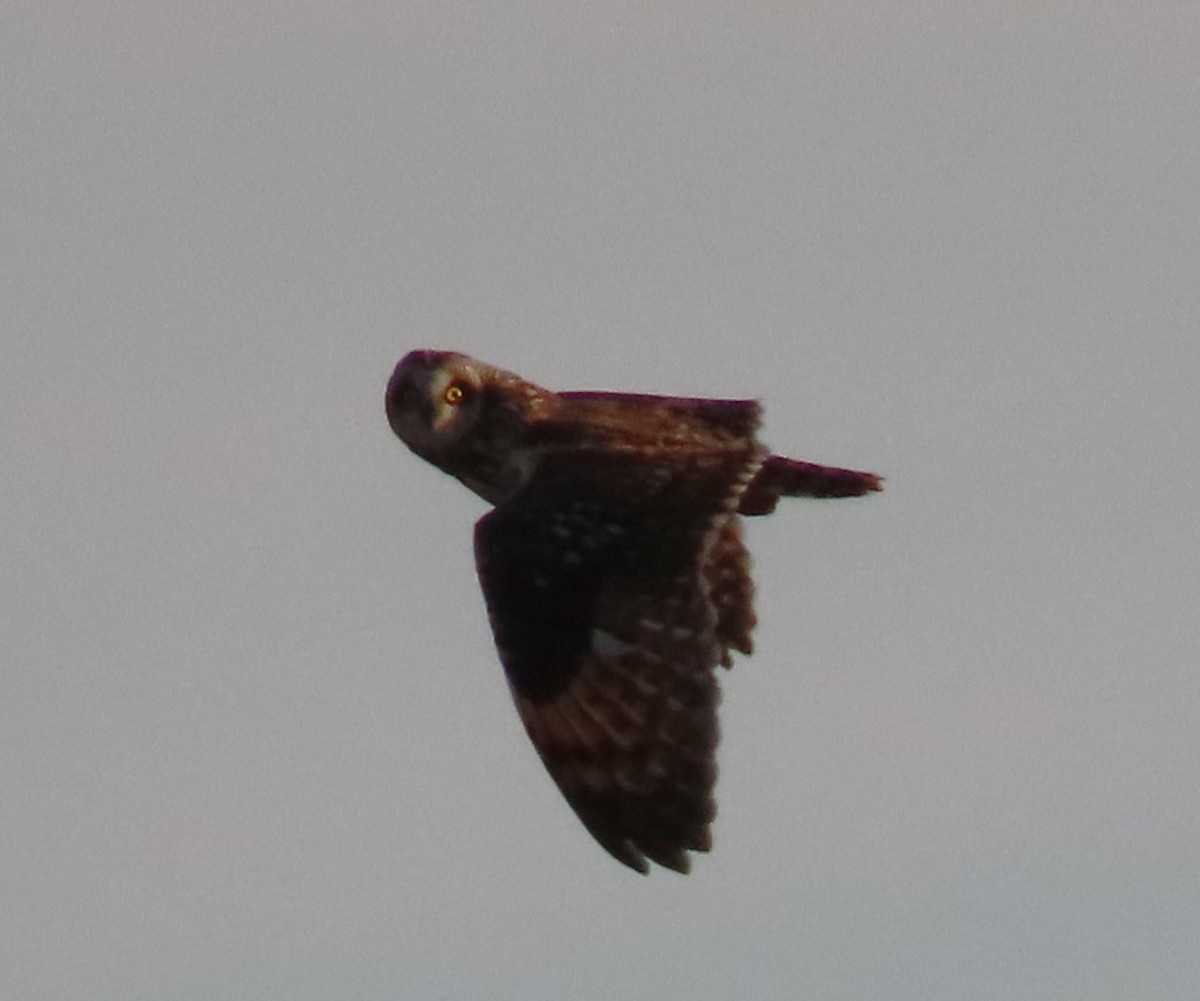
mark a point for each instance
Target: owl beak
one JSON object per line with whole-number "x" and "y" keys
{"x": 439, "y": 421}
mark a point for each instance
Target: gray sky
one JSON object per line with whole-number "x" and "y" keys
{"x": 254, "y": 740}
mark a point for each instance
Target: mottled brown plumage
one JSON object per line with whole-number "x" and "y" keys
{"x": 614, "y": 573}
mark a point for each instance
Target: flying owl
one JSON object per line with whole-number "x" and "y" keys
{"x": 614, "y": 574}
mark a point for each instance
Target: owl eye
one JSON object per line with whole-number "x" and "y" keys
{"x": 454, "y": 394}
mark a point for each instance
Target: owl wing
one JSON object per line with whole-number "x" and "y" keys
{"x": 731, "y": 589}
{"x": 611, "y": 600}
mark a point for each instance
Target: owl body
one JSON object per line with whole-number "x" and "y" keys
{"x": 614, "y": 574}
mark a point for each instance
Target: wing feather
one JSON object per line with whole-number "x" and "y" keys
{"x": 600, "y": 580}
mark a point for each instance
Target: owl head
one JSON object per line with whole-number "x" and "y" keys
{"x": 434, "y": 399}
{"x": 468, "y": 418}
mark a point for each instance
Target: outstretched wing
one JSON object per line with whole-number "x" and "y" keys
{"x": 600, "y": 587}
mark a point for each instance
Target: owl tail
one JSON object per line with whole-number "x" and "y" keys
{"x": 781, "y": 477}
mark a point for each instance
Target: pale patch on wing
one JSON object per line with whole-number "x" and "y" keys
{"x": 606, "y": 645}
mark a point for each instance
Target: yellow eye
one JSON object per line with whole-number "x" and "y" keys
{"x": 453, "y": 394}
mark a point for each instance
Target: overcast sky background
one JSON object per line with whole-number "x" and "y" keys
{"x": 254, "y": 739}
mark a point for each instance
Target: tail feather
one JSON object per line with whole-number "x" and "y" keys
{"x": 782, "y": 477}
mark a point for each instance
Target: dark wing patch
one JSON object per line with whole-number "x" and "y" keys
{"x": 597, "y": 585}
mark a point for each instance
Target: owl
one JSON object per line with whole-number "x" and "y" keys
{"x": 614, "y": 573}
